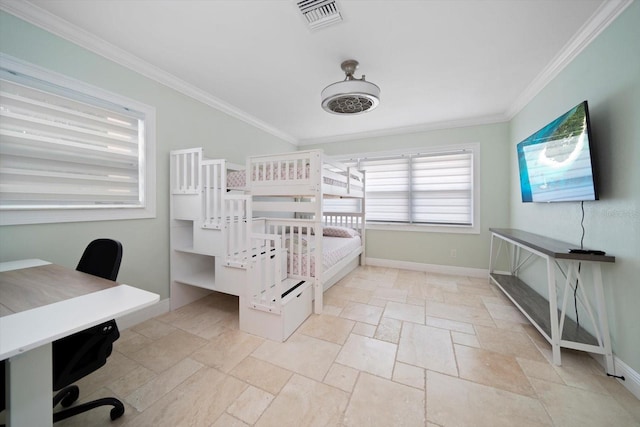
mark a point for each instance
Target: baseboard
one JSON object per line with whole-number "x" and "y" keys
{"x": 140, "y": 316}
{"x": 631, "y": 378}
{"x": 432, "y": 268}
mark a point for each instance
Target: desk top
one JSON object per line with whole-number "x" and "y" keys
{"x": 43, "y": 303}
{"x": 553, "y": 248}
{"x": 34, "y": 285}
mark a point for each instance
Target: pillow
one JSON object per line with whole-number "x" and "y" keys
{"x": 339, "y": 232}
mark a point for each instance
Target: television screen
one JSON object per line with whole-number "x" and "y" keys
{"x": 556, "y": 163}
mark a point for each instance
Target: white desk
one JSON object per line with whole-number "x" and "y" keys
{"x": 40, "y": 303}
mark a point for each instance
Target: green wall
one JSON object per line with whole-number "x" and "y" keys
{"x": 472, "y": 250}
{"x": 607, "y": 74}
{"x": 181, "y": 123}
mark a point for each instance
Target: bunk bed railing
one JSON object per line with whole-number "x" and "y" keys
{"x": 302, "y": 245}
{"x": 302, "y": 173}
{"x": 237, "y": 225}
{"x": 187, "y": 176}
{"x": 345, "y": 219}
{"x": 264, "y": 288}
{"x": 214, "y": 177}
{"x": 298, "y": 166}
{"x": 297, "y": 172}
{"x": 344, "y": 179}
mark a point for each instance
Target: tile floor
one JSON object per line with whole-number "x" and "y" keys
{"x": 393, "y": 348}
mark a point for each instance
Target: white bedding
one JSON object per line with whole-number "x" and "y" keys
{"x": 334, "y": 249}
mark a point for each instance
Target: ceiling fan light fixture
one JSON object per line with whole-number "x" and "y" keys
{"x": 352, "y": 95}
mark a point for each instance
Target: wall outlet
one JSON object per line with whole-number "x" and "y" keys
{"x": 454, "y": 253}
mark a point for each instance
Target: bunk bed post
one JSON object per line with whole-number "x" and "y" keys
{"x": 363, "y": 220}
{"x": 208, "y": 189}
{"x": 316, "y": 171}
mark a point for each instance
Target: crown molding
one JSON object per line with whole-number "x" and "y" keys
{"x": 426, "y": 127}
{"x": 64, "y": 29}
{"x": 602, "y": 17}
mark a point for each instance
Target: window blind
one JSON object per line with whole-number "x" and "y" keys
{"x": 64, "y": 149}
{"x": 417, "y": 188}
{"x": 442, "y": 188}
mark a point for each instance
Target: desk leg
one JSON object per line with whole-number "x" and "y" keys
{"x": 30, "y": 388}
{"x": 553, "y": 312}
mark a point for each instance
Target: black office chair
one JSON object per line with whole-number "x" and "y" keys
{"x": 86, "y": 351}
{"x": 102, "y": 258}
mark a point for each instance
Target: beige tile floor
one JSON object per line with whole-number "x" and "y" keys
{"x": 393, "y": 348}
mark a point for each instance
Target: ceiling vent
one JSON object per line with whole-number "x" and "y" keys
{"x": 320, "y": 13}
{"x": 352, "y": 95}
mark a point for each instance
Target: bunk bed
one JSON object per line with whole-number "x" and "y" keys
{"x": 274, "y": 245}
{"x": 297, "y": 183}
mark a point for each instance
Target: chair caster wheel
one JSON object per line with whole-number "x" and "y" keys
{"x": 116, "y": 412}
{"x": 72, "y": 395}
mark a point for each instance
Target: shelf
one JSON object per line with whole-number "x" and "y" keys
{"x": 203, "y": 279}
{"x": 190, "y": 251}
{"x": 536, "y": 307}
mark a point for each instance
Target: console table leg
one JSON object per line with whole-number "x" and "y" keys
{"x": 602, "y": 317}
{"x": 553, "y": 312}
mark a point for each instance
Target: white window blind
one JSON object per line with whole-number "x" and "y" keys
{"x": 66, "y": 149}
{"x": 58, "y": 151}
{"x": 442, "y": 189}
{"x": 418, "y": 188}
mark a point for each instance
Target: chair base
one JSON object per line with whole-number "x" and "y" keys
{"x": 66, "y": 396}
{"x": 69, "y": 394}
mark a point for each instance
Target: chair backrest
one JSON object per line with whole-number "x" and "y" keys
{"x": 102, "y": 258}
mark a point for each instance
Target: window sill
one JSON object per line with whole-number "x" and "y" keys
{"x": 425, "y": 228}
{"x": 49, "y": 216}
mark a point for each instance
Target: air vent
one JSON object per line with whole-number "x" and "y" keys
{"x": 320, "y": 13}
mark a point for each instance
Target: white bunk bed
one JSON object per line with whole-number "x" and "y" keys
{"x": 298, "y": 182}
{"x": 289, "y": 189}
{"x": 269, "y": 262}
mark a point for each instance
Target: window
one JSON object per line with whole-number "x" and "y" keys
{"x": 432, "y": 189}
{"x": 70, "y": 151}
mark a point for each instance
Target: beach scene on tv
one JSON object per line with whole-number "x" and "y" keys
{"x": 555, "y": 162}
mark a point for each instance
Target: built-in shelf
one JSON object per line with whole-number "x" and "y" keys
{"x": 202, "y": 279}
{"x": 186, "y": 250}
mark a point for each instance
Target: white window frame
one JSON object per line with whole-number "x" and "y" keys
{"x": 147, "y": 157}
{"x": 474, "y": 228}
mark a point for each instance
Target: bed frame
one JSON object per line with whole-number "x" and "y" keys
{"x": 250, "y": 253}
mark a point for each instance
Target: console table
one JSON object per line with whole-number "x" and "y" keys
{"x": 521, "y": 248}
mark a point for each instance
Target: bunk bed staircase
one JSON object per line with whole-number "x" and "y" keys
{"x": 216, "y": 245}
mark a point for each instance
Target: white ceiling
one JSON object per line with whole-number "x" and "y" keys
{"x": 439, "y": 63}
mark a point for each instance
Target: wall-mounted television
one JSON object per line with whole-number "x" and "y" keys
{"x": 557, "y": 162}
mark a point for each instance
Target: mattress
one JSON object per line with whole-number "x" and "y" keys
{"x": 334, "y": 249}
